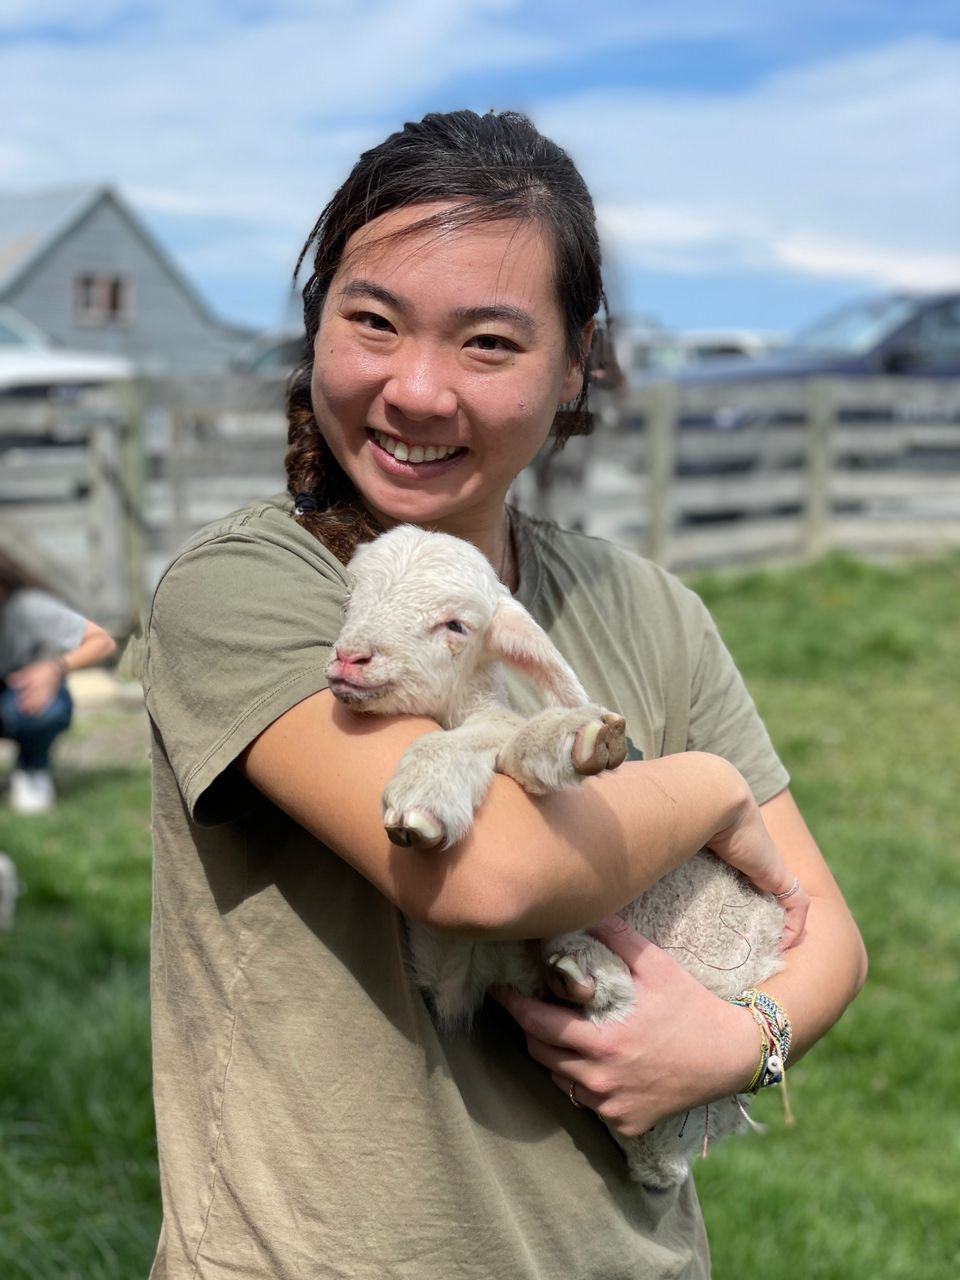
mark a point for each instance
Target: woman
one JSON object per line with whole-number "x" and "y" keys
{"x": 41, "y": 642}
{"x": 311, "y": 1121}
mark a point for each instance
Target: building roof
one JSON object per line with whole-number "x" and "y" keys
{"x": 30, "y": 222}
{"x": 33, "y": 222}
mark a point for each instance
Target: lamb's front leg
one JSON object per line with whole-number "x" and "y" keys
{"x": 559, "y": 746}
{"x": 442, "y": 779}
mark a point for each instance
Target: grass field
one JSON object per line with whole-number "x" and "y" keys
{"x": 857, "y": 672}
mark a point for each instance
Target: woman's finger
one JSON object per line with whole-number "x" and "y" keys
{"x": 630, "y": 946}
{"x": 550, "y": 1023}
{"x": 563, "y": 1062}
{"x": 578, "y": 1095}
{"x": 795, "y": 907}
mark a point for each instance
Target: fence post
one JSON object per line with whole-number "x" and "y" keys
{"x": 109, "y": 578}
{"x": 130, "y": 399}
{"x": 178, "y": 461}
{"x": 818, "y": 508}
{"x": 662, "y": 400}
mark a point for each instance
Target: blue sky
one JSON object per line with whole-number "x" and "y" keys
{"x": 752, "y": 164}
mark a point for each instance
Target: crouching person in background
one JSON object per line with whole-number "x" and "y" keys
{"x": 41, "y": 641}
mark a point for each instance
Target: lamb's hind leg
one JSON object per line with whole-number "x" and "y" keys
{"x": 560, "y": 746}
{"x": 577, "y": 963}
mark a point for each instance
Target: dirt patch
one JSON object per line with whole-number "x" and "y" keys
{"x": 119, "y": 736}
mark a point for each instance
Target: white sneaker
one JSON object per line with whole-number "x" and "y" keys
{"x": 31, "y": 791}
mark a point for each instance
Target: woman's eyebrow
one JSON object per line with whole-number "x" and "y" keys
{"x": 367, "y": 289}
{"x": 499, "y": 313}
{"x": 496, "y": 313}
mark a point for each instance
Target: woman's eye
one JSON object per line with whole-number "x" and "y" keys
{"x": 370, "y": 320}
{"x": 458, "y": 627}
{"x": 491, "y": 342}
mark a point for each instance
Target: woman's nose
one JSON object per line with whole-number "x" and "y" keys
{"x": 420, "y": 387}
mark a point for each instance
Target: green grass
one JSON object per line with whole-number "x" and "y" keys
{"x": 78, "y": 1183}
{"x": 857, "y": 672}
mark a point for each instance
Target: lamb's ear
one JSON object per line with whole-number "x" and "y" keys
{"x": 517, "y": 640}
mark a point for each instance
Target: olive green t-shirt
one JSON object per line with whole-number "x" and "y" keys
{"x": 312, "y": 1122}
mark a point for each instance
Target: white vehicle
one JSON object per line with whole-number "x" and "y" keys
{"x": 33, "y": 366}
{"x": 648, "y": 350}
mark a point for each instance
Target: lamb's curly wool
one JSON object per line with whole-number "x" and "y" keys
{"x": 427, "y": 631}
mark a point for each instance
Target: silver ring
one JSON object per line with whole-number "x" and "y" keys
{"x": 788, "y": 893}
{"x": 571, "y": 1094}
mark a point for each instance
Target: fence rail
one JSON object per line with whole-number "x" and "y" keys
{"x": 868, "y": 466}
{"x": 98, "y": 495}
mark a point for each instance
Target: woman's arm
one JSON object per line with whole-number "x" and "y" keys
{"x": 827, "y": 968}
{"x": 96, "y": 646}
{"x": 683, "y": 1046}
{"x": 37, "y": 684}
{"x": 528, "y": 868}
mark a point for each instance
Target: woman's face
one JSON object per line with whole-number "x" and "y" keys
{"x": 439, "y": 364}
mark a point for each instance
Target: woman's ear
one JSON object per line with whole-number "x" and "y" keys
{"x": 578, "y": 369}
{"x": 514, "y": 638}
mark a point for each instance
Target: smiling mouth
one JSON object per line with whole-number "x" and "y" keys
{"x": 416, "y": 454}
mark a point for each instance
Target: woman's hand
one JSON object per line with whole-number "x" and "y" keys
{"x": 37, "y": 685}
{"x": 682, "y": 1046}
{"x": 746, "y": 845}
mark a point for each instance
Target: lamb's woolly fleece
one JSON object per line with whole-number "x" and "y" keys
{"x": 407, "y": 586}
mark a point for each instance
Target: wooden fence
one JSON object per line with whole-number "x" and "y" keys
{"x": 797, "y": 469}
{"x": 70, "y": 493}
{"x": 98, "y": 495}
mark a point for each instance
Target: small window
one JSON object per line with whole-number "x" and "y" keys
{"x": 100, "y": 299}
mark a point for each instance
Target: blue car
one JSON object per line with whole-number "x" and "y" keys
{"x": 896, "y": 337}
{"x": 897, "y": 334}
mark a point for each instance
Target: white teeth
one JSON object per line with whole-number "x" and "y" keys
{"x": 414, "y": 453}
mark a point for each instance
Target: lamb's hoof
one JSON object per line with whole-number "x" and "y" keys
{"x": 567, "y": 980}
{"x": 414, "y": 827}
{"x": 602, "y": 744}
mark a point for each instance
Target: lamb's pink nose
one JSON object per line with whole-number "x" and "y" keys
{"x": 347, "y": 661}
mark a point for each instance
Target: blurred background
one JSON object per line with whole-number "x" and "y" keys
{"x": 778, "y": 420}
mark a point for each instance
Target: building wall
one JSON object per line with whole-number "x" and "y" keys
{"x": 166, "y": 331}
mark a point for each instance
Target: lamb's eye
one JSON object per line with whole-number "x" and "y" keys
{"x": 458, "y": 627}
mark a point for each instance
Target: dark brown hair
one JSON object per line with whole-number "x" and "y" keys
{"x": 496, "y": 168}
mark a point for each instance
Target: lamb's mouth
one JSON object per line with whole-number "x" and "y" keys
{"x": 356, "y": 695}
{"x": 417, "y": 453}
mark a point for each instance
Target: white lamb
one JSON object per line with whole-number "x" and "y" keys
{"x": 428, "y": 628}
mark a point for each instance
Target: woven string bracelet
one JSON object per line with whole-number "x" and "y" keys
{"x": 776, "y": 1034}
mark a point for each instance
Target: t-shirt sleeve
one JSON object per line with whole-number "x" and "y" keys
{"x": 48, "y": 626}
{"x": 241, "y": 630}
{"x": 724, "y": 718}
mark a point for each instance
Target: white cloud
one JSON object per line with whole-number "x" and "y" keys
{"x": 863, "y": 261}
{"x": 59, "y": 15}
{"x": 247, "y": 119}
{"x": 849, "y": 169}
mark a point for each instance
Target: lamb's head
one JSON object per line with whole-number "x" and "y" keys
{"x": 426, "y": 622}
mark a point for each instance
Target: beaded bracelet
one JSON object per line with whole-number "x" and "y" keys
{"x": 775, "y": 1036}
